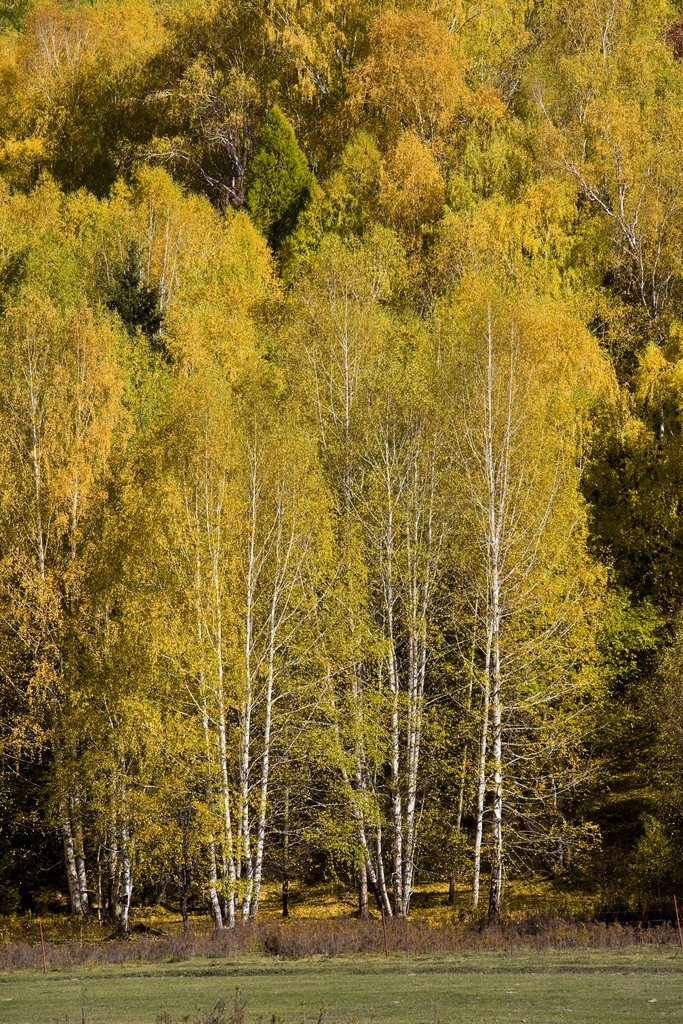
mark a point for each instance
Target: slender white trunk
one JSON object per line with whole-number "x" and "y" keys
{"x": 228, "y": 846}
{"x": 497, "y": 480}
{"x": 373, "y": 877}
{"x": 363, "y": 891}
{"x": 245, "y": 859}
{"x": 395, "y": 768}
{"x": 263, "y": 796}
{"x": 213, "y": 871}
{"x": 497, "y": 810}
{"x": 416, "y": 699}
{"x": 79, "y": 849}
{"x": 70, "y": 859}
{"x": 389, "y": 543}
{"x": 114, "y": 906}
{"x": 213, "y": 875}
{"x": 126, "y": 875}
{"x": 481, "y": 784}
{"x": 463, "y": 765}
{"x": 380, "y": 869}
{"x": 420, "y": 545}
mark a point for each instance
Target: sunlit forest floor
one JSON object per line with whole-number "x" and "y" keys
{"x": 429, "y": 903}
{"x": 587, "y": 986}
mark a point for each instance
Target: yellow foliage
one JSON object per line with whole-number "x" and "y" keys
{"x": 413, "y": 74}
{"x": 412, "y": 190}
{"x": 212, "y": 271}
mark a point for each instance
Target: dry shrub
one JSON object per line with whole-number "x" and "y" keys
{"x": 335, "y": 937}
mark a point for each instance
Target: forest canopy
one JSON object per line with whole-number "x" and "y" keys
{"x": 341, "y": 401}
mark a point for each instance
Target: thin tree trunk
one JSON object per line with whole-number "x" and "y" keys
{"x": 394, "y": 686}
{"x": 228, "y": 845}
{"x": 70, "y": 859}
{"x": 371, "y": 874}
{"x": 285, "y": 859}
{"x": 414, "y": 740}
{"x": 80, "y": 857}
{"x": 227, "y": 821}
{"x": 497, "y": 498}
{"x": 363, "y": 912}
{"x": 395, "y": 761}
{"x": 463, "y": 767}
{"x": 419, "y": 588}
{"x": 243, "y": 837}
{"x": 497, "y": 848}
{"x": 114, "y": 876}
{"x": 458, "y": 827}
{"x": 213, "y": 880}
{"x": 185, "y": 879}
{"x": 245, "y": 861}
{"x": 380, "y": 869}
{"x": 126, "y": 878}
{"x": 263, "y": 798}
{"x": 481, "y": 787}
{"x": 213, "y": 873}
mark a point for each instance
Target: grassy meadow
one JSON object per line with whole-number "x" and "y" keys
{"x": 322, "y": 965}
{"x": 635, "y": 985}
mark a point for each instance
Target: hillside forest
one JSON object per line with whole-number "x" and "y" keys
{"x": 341, "y": 402}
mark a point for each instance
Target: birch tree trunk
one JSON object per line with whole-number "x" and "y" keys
{"x": 481, "y": 776}
{"x": 463, "y": 765}
{"x": 213, "y": 869}
{"x": 80, "y": 857}
{"x": 404, "y": 528}
{"x": 363, "y": 912}
{"x": 126, "y": 876}
{"x": 511, "y": 456}
{"x": 265, "y": 769}
{"x": 70, "y": 859}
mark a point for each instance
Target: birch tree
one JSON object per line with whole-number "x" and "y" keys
{"x": 529, "y": 588}
{"x": 60, "y": 416}
{"x": 341, "y": 307}
{"x": 242, "y": 537}
{"x": 403, "y": 518}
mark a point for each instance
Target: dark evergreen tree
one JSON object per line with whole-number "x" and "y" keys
{"x": 278, "y": 180}
{"x": 12, "y": 274}
{"x": 137, "y": 304}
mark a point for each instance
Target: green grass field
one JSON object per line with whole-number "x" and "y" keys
{"x": 602, "y": 987}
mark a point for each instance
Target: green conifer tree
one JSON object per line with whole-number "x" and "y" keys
{"x": 278, "y": 180}
{"x": 137, "y": 304}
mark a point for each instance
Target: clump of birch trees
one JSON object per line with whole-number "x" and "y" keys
{"x": 340, "y": 400}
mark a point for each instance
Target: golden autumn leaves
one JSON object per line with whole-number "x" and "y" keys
{"x": 301, "y": 575}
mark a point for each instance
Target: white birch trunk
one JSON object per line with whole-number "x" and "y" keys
{"x": 70, "y": 859}
{"x": 244, "y": 838}
{"x": 497, "y": 809}
{"x": 114, "y": 902}
{"x": 265, "y": 767}
{"x": 80, "y": 857}
{"x": 228, "y": 846}
{"x": 213, "y": 870}
{"x": 481, "y": 775}
{"x": 126, "y": 876}
{"x": 363, "y": 912}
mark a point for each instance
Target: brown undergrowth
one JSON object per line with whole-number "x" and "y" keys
{"x": 296, "y": 939}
